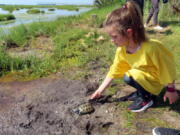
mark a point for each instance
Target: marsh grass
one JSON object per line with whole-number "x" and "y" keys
{"x": 51, "y": 9}
{"x": 6, "y": 22}
{"x": 8, "y": 63}
{"x": 6, "y": 17}
{"x": 35, "y": 11}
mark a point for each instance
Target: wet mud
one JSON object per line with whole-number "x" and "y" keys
{"x": 44, "y": 107}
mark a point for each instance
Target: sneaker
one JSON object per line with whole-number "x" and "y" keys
{"x": 145, "y": 25}
{"x": 165, "y": 131}
{"x": 140, "y": 105}
{"x": 158, "y": 27}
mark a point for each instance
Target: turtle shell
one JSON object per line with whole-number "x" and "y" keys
{"x": 85, "y": 108}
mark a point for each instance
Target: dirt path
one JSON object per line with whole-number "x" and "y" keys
{"x": 43, "y": 107}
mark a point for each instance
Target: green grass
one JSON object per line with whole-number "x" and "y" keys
{"x": 6, "y": 17}
{"x": 8, "y": 64}
{"x": 68, "y": 7}
{"x": 85, "y": 49}
{"x": 35, "y": 11}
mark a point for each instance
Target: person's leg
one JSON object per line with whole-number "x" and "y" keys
{"x": 132, "y": 96}
{"x": 140, "y": 3}
{"x": 156, "y": 11}
{"x": 144, "y": 98}
{"x": 151, "y": 12}
{"x": 140, "y": 90}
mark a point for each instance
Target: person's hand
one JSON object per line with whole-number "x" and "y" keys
{"x": 172, "y": 96}
{"x": 96, "y": 94}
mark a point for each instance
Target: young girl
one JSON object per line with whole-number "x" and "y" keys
{"x": 145, "y": 64}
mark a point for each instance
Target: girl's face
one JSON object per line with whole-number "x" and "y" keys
{"x": 118, "y": 39}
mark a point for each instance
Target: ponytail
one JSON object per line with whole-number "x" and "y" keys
{"x": 128, "y": 16}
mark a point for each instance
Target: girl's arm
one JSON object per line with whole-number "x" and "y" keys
{"x": 171, "y": 94}
{"x": 101, "y": 88}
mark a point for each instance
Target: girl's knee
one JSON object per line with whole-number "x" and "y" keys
{"x": 127, "y": 79}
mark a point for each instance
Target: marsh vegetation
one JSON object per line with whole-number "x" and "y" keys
{"x": 35, "y": 11}
{"x": 6, "y": 17}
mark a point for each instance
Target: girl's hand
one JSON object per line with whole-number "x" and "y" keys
{"x": 105, "y": 83}
{"x": 96, "y": 94}
{"x": 172, "y": 96}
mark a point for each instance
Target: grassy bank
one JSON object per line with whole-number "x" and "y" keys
{"x": 6, "y": 17}
{"x": 66, "y": 54}
{"x": 6, "y": 22}
{"x": 78, "y": 42}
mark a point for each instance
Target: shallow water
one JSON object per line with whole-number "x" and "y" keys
{"x": 23, "y": 18}
{"x": 3, "y": 11}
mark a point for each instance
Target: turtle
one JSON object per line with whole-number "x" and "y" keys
{"x": 85, "y": 108}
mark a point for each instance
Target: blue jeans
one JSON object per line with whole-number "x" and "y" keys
{"x": 140, "y": 90}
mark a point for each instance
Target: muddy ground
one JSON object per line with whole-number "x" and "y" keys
{"x": 43, "y": 107}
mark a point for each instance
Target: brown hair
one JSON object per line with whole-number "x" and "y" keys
{"x": 129, "y": 16}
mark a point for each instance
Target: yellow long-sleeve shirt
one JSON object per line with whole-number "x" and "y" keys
{"x": 152, "y": 66}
